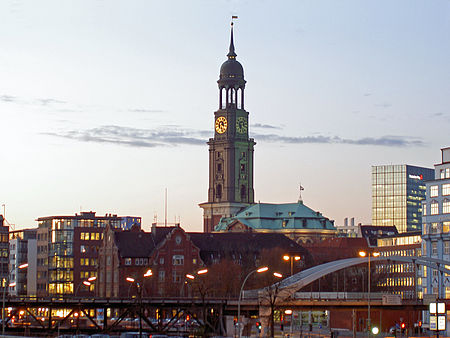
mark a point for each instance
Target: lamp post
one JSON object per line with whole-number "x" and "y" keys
{"x": 368, "y": 254}
{"x": 131, "y": 280}
{"x": 87, "y": 282}
{"x": 292, "y": 259}
{"x": 191, "y": 276}
{"x": 263, "y": 269}
{"x": 8, "y": 284}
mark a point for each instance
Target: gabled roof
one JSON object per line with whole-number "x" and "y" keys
{"x": 221, "y": 244}
{"x": 287, "y": 216}
{"x": 132, "y": 243}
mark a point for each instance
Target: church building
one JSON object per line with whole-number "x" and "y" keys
{"x": 230, "y": 205}
{"x": 231, "y": 149}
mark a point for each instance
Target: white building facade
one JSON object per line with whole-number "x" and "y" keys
{"x": 436, "y": 231}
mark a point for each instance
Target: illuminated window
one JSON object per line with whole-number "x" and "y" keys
{"x": 127, "y": 261}
{"x": 446, "y": 207}
{"x": 446, "y": 189}
{"x": 445, "y": 226}
{"x": 446, "y": 247}
{"x": 434, "y": 191}
{"x": 424, "y": 209}
{"x": 434, "y": 209}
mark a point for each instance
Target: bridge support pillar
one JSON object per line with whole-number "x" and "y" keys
{"x": 264, "y": 318}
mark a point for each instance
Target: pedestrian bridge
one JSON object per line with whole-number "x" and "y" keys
{"x": 290, "y": 285}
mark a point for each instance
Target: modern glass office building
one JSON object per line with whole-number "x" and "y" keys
{"x": 397, "y": 192}
{"x": 67, "y": 250}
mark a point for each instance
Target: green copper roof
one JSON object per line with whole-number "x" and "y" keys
{"x": 286, "y": 216}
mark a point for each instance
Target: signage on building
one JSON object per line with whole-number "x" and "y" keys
{"x": 437, "y": 316}
{"x": 416, "y": 177}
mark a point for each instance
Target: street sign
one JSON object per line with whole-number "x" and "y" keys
{"x": 441, "y": 323}
{"x": 433, "y": 323}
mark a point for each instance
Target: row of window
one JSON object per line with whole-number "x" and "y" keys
{"x": 434, "y": 208}
{"x": 87, "y": 249}
{"x": 88, "y": 261}
{"x": 436, "y": 228}
{"x": 93, "y": 236}
{"x": 397, "y": 281}
{"x": 434, "y": 190}
{"x": 445, "y": 173}
{"x": 87, "y": 274}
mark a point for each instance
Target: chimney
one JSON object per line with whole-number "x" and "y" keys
{"x": 346, "y": 221}
{"x": 352, "y": 222}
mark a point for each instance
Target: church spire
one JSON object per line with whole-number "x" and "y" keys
{"x": 231, "y": 54}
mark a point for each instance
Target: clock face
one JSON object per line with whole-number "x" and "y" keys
{"x": 241, "y": 125}
{"x": 221, "y": 124}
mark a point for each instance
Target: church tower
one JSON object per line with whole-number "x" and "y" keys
{"x": 231, "y": 150}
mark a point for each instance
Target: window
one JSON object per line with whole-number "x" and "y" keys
{"x": 82, "y": 236}
{"x": 242, "y": 167}
{"x": 161, "y": 275}
{"x": 424, "y": 209}
{"x": 194, "y": 261}
{"x": 178, "y": 260}
{"x": 434, "y": 191}
{"x": 84, "y": 249}
{"x": 442, "y": 173}
{"x": 176, "y": 277}
{"x": 446, "y": 189}
{"x": 127, "y": 261}
{"x": 108, "y": 260}
{"x": 136, "y": 261}
{"x": 219, "y": 166}
{"x": 434, "y": 250}
{"x": 446, "y": 207}
{"x": 434, "y": 210}
{"x": 445, "y": 227}
{"x": 446, "y": 247}
{"x": 161, "y": 260}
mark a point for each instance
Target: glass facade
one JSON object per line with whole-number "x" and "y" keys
{"x": 397, "y": 192}
{"x": 62, "y": 249}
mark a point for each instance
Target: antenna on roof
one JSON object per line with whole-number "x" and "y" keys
{"x": 300, "y": 199}
{"x": 165, "y": 208}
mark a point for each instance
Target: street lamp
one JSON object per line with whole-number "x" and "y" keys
{"x": 6, "y": 285}
{"x": 368, "y": 254}
{"x": 87, "y": 283}
{"x": 292, "y": 259}
{"x": 263, "y": 269}
{"x": 131, "y": 280}
{"x": 191, "y": 276}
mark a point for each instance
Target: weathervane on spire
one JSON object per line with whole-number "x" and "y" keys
{"x": 232, "y": 18}
{"x": 300, "y": 200}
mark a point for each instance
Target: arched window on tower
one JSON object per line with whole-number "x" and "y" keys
{"x": 223, "y": 98}
{"x": 243, "y": 193}
{"x": 239, "y": 98}
{"x": 219, "y": 191}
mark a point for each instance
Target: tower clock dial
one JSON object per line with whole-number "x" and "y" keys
{"x": 241, "y": 125}
{"x": 221, "y": 124}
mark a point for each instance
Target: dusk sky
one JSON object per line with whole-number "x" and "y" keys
{"x": 104, "y": 104}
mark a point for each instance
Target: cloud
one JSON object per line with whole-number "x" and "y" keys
{"x": 38, "y": 101}
{"x": 367, "y": 94}
{"x": 387, "y": 141}
{"x": 134, "y": 137}
{"x": 383, "y": 105}
{"x": 146, "y": 111}
{"x": 264, "y": 126}
{"x": 8, "y": 98}
{"x": 172, "y": 135}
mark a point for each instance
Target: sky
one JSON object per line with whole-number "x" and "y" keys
{"x": 105, "y": 104}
